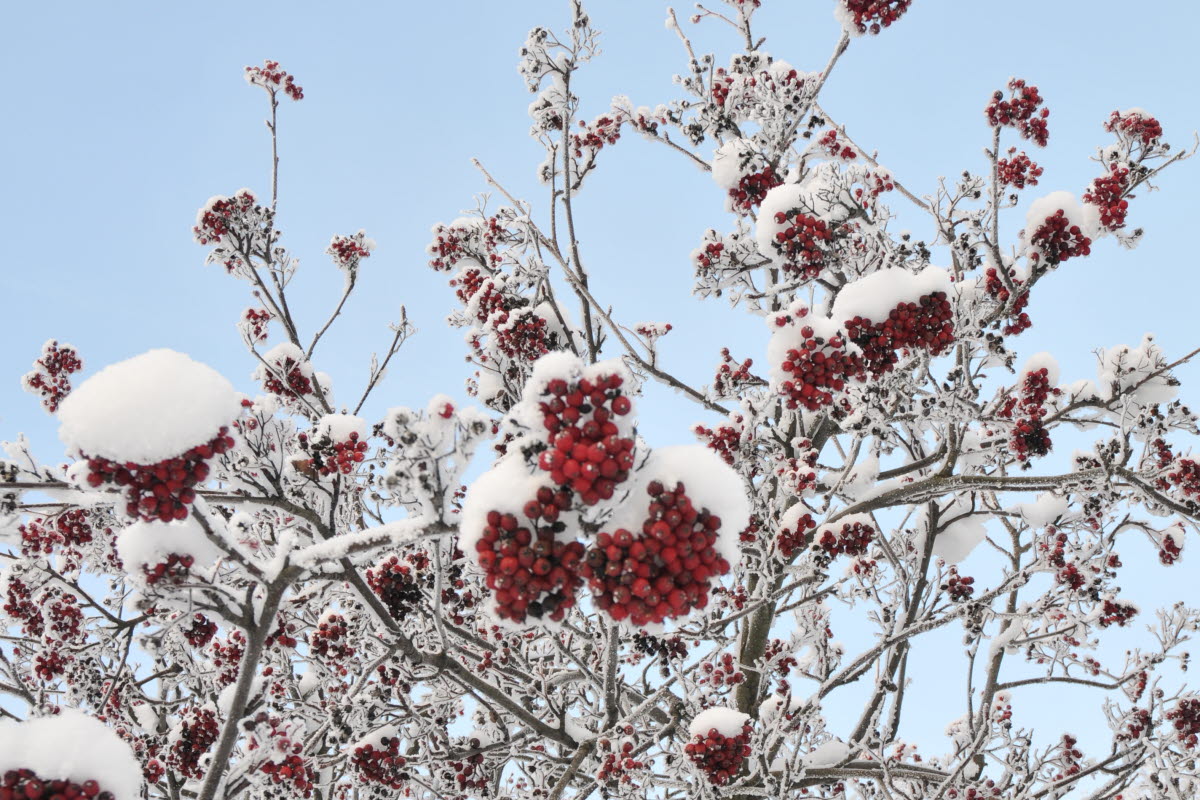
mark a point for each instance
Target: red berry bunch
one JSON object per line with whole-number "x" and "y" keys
{"x": 722, "y": 673}
{"x": 173, "y": 570}
{"x": 1135, "y": 125}
{"x": 330, "y": 641}
{"x": 588, "y": 455}
{"x": 270, "y": 77}
{"x": 803, "y": 243}
{"x": 665, "y": 571}
{"x": 396, "y": 585}
{"x": 1018, "y": 320}
{"x": 20, "y": 606}
{"x": 708, "y": 255}
{"x": 1018, "y": 170}
{"x": 1185, "y": 476}
{"x": 618, "y": 765}
{"x": 725, "y": 440}
{"x": 24, "y": 784}
{"x": 1185, "y": 718}
{"x": 1020, "y": 111}
{"x": 234, "y": 226}
{"x": 958, "y": 588}
{"x": 161, "y": 491}
{"x": 1108, "y": 194}
{"x": 834, "y": 149}
{"x": 254, "y": 322}
{"x": 1030, "y": 436}
{"x": 1116, "y": 613}
{"x": 731, "y": 377}
{"x": 530, "y": 571}
{"x": 794, "y": 537}
{"x": 874, "y": 15}
{"x": 201, "y": 631}
{"x": 477, "y": 240}
{"x": 718, "y": 755}
{"x": 332, "y": 457}
{"x": 348, "y": 251}
{"x": 469, "y": 773}
{"x": 852, "y": 539}
{"x": 227, "y": 657}
{"x": 288, "y": 376}
{"x": 1058, "y": 239}
{"x": 70, "y": 529}
{"x": 1139, "y": 721}
{"x": 197, "y": 734}
{"x": 50, "y": 376}
{"x": 818, "y": 367}
{"x": 1171, "y": 548}
{"x": 605, "y": 129}
{"x": 927, "y": 324}
{"x": 381, "y": 765}
{"x": 49, "y": 665}
{"x": 752, "y": 188}
{"x": 219, "y": 217}
{"x": 522, "y": 335}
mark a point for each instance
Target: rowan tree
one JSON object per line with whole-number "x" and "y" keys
{"x": 228, "y": 595}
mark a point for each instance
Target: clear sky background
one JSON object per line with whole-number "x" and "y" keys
{"x": 121, "y": 119}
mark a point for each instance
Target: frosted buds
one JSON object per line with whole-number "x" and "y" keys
{"x": 270, "y": 77}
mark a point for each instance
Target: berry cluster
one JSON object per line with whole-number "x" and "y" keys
{"x": 1030, "y": 436}
{"x": 1018, "y": 320}
{"x": 348, "y": 251}
{"x": 618, "y": 764}
{"x": 24, "y": 784}
{"x": 1185, "y": 718}
{"x": 254, "y": 323}
{"x": 1116, "y": 613}
{"x": 270, "y": 77}
{"x": 709, "y": 255}
{"x": 852, "y": 539}
{"x": 330, "y": 641}
{"x": 722, "y": 673}
{"x": 725, "y": 440}
{"x": 830, "y": 145}
{"x": 330, "y": 457}
{"x": 718, "y": 755}
{"x": 287, "y": 374}
{"x": 70, "y": 529}
{"x": 604, "y": 130}
{"x": 382, "y": 765}
{"x": 874, "y": 15}
{"x": 173, "y": 570}
{"x": 588, "y": 455}
{"x": 1171, "y": 548}
{"x": 161, "y": 491}
{"x": 794, "y": 538}
{"x": 469, "y": 773}
{"x": 1020, "y": 111}
{"x": 201, "y": 631}
{"x": 731, "y": 377}
{"x": 1018, "y": 170}
{"x": 1108, "y": 194}
{"x": 291, "y": 771}
{"x": 197, "y": 734}
{"x": 396, "y": 585}
{"x": 1058, "y": 239}
{"x": 475, "y": 240}
{"x": 50, "y": 376}
{"x": 818, "y": 367}
{"x": 927, "y": 324}
{"x": 752, "y": 188}
{"x": 803, "y": 243}
{"x": 958, "y": 588}
{"x": 528, "y": 569}
{"x": 521, "y": 335}
{"x": 664, "y": 571}
{"x": 1135, "y": 125}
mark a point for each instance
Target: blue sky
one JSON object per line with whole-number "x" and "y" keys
{"x": 122, "y": 119}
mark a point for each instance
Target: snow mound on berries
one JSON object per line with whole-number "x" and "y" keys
{"x": 710, "y": 484}
{"x": 147, "y": 408}
{"x": 1039, "y": 361}
{"x": 562, "y": 365}
{"x": 876, "y": 295}
{"x": 338, "y": 427}
{"x": 789, "y": 337}
{"x": 726, "y": 721}
{"x": 149, "y": 543}
{"x": 71, "y": 746}
{"x": 505, "y": 488}
{"x": 1086, "y": 216}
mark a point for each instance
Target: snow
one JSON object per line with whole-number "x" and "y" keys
{"x": 710, "y": 483}
{"x": 338, "y": 427}
{"x": 506, "y": 487}
{"x": 1124, "y": 367}
{"x": 788, "y": 337}
{"x": 1040, "y": 513}
{"x": 1004, "y": 639}
{"x": 71, "y": 746}
{"x": 826, "y": 755}
{"x": 1039, "y": 361}
{"x": 151, "y": 542}
{"x": 959, "y": 538}
{"x": 874, "y": 296}
{"x": 147, "y": 409}
{"x": 1086, "y": 216}
{"x": 726, "y": 721}
{"x": 733, "y": 160}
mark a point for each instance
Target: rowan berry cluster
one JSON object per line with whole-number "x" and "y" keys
{"x": 381, "y": 764}
{"x": 161, "y": 491}
{"x": 1170, "y": 548}
{"x": 198, "y": 732}
{"x": 1135, "y": 125}
{"x": 172, "y": 570}
{"x": 752, "y": 188}
{"x": 1116, "y": 613}
{"x": 270, "y": 77}
{"x": 1107, "y": 193}
{"x": 1018, "y": 170}
{"x": 24, "y": 784}
{"x": 724, "y": 440}
{"x": 818, "y": 367}
{"x": 286, "y": 373}
{"x": 958, "y": 588}
{"x": 1057, "y": 239}
{"x": 396, "y": 585}
{"x": 829, "y": 144}
{"x": 70, "y": 529}
{"x": 50, "y": 376}
{"x": 469, "y": 774}
{"x": 852, "y": 539}
{"x": 618, "y": 764}
{"x": 201, "y": 631}
{"x": 1020, "y": 111}
{"x": 473, "y": 240}
{"x": 794, "y": 538}
{"x": 662, "y": 572}
{"x": 723, "y": 672}
{"x": 803, "y": 243}
{"x": 1030, "y": 435}
{"x": 718, "y": 755}
{"x": 330, "y": 640}
{"x": 348, "y": 251}
{"x": 1018, "y": 320}
{"x": 875, "y": 15}
{"x": 1185, "y": 718}
{"x": 587, "y": 454}
{"x": 605, "y": 129}
{"x": 331, "y": 457}
{"x": 927, "y": 324}
{"x": 254, "y": 323}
